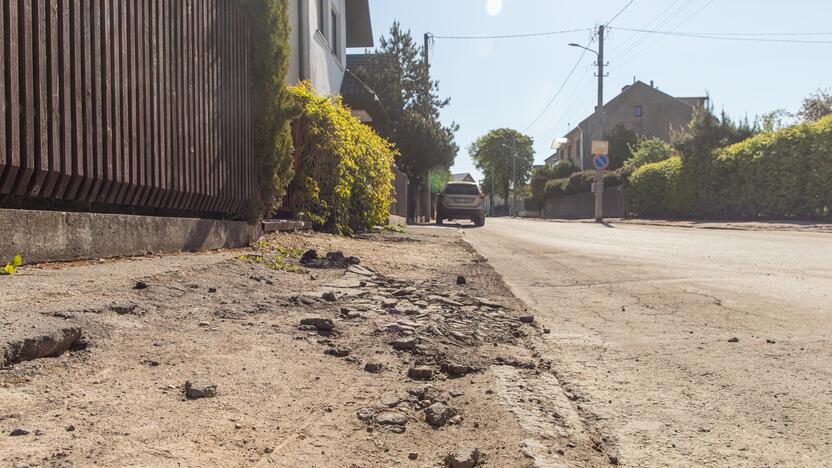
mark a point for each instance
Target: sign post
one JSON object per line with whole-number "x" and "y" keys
{"x": 600, "y": 150}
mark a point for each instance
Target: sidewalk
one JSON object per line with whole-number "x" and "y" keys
{"x": 386, "y": 363}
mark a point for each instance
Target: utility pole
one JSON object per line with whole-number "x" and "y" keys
{"x": 426, "y": 109}
{"x": 514, "y": 183}
{"x": 600, "y": 67}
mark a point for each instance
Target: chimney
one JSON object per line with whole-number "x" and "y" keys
{"x": 652, "y": 84}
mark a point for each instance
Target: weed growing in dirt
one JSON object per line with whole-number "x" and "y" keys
{"x": 12, "y": 267}
{"x": 274, "y": 256}
{"x": 400, "y": 228}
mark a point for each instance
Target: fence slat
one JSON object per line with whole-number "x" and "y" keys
{"x": 142, "y": 103}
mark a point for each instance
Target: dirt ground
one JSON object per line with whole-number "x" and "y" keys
{"x": 287, "y": 393}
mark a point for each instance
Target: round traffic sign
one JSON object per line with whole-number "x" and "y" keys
{"x": 601, "y": 162}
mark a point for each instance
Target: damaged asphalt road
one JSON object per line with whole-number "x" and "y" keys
{"x": 383, "y": 358}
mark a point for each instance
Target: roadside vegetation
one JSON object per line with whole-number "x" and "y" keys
{"x": 505, "y": 157}
{"x": 411, "y": 100}
{"x": 345, "y": 174}
{"x": 269, "y": 20}
{"x": 776, "y": 167}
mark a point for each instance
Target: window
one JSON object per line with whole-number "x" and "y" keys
{"x": 321, "y": 11}
{"x": 334, "y": 39}
{"x": 638, "y": 111}
{"x": 462, "y": 189}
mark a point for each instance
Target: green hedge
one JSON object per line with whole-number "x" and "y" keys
{"x": 782, "y": 174}
{"x": 580, "y": 182}
{"x": 654, "y": 188}
{"x": 345, "y": 176}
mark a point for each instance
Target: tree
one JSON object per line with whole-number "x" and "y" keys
{"x": 816, "y": 106}
{"x": 439, "y": 177}
{"x": 621, "y": 139}
{"x": 276, "y": 107}
{"x": 402, "y": 82}
{"x": 504, "y": 155}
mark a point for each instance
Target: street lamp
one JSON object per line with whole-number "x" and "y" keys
{"x": 572, "y": 44}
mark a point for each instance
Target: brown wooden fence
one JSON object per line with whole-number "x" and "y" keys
{"x": 142, "y": 103}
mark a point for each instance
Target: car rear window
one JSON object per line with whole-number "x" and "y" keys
{"x": 462, "y": 189}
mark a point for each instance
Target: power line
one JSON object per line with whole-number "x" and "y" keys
{"x": 641, "y": 38}
{"x": 650, "y": 24}
{"x": 736, "y": 36}
{"x": 563, "y": 85}
{"x": 515, "y": 36}
{"x": 619, "y": 12}
{"x": 678, "y": 25}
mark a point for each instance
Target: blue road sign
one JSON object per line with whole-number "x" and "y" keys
{"x": 601, "y": 162}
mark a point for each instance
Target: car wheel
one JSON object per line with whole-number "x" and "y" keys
{"x": 480, "y": 222}
{"x": 439, "y": 221}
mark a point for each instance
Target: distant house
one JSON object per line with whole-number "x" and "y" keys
{"x": 640, "y": 107}
{"x": 465, "y": 177}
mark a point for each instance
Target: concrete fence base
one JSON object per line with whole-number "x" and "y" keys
{"x": 47, "y": 236}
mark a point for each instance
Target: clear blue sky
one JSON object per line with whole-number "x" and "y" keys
{"x": 507, "y": 83}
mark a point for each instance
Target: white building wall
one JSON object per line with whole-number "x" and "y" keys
{"x": 293, "y": 75}
{"x": 324, "y": 68}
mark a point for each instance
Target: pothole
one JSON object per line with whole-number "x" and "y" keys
{"x": 43, "y": 346}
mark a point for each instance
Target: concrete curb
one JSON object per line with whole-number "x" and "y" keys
{"x": 49, "y": 236}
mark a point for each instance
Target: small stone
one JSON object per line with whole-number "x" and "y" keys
{"x": 306, "y": 300}
{"x": 526, "y": 319}
{"x": 70, "y": 428}
{"x": 373, "y": 367}
{"x": 420, "y": 373}
{"x": 353, "y": 260}
{"x": 467, "y": 457}
{"x": 366, "y": 414}
{"x": 268, "y": 450}
{"x": 456, "y": 420}
{"x": 336, "y": 257}
{"x": 412, "y": 456}
{"x": 405, "y": 344}
{"x": 460, "y": 280}
{"x": 194, "y": 391}
{"x": 771, "y": 341}
{"x": 391, "y": 418}
{"x": 319, "y": 323}
{"x": 338, "y": 351}
{"x": 308, "y": 257}
{"x": 613, "y": 459}
{"x": 18, "y": 432}
{"x": 390, "y": 400}
{"x": 140, "y": 285}
{"x": 455, "y": 370}
{"x": 238, "y": 426}
{"x": 455, "y": 394}
{"x": 420, "y": 392}
{"x": 329, "y": 296}
{"x": 734, "y": 340}
{"x": 546, "y": 331}
{"x": 404, "y": 292}
{"x": 212, "y": 290}
{"x": 204, "y": 324}
{"x": 437, "y": 414}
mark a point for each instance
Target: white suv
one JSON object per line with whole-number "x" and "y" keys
{"x": 461, "y": 200}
